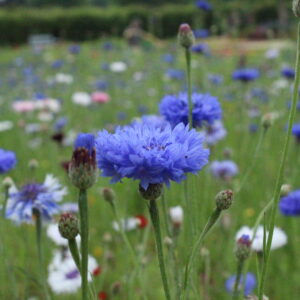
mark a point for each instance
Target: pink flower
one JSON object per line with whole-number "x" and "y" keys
{"x": 23, "y": 106}
{"x": 100, "y": 97}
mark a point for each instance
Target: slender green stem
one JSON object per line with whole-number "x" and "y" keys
{"x": 75, "y": 253}
{"x": 6, "y": 191}
{"x": 189, "y": 84}
{"x": 156, "y": 225}
{"x": 210, "y": 223}
{"x": 38, "y": 226}
{"x": 240, "y": 266}
{"x": 253, "y": 160}
{"x": 84, "y": 233}
{"x": 279, "y": 180}
{"x": 165, "y": 214}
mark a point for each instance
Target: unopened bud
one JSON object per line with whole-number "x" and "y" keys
{"x": 186, "y": 36}
{"x": 243, "y": 247}
{"x": 33, "y": 164}
{"x": 7, "y": 182}
{"x": 285, "y": 190}
{"x": 268, "y": 119}
{"x": 296, "y": 8}
{"x": 108, "y": 194}
{"x": 224, "y": 199}
{"x": 152, "y": 192}
{"x": 68, "y": 226}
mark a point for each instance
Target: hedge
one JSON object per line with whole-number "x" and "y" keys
{"x": 85, "y": 23}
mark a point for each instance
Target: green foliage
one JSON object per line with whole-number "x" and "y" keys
{"x": 86, "y": 23}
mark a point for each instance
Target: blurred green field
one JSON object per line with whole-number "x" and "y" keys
{"x": 133, "y": 92}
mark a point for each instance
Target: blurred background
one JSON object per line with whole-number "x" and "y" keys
{"x": 80, "y": 20}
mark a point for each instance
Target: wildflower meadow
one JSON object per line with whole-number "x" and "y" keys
{"x": 137, "y": 167}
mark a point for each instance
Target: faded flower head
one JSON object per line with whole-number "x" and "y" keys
{"x": 150, "y": 154}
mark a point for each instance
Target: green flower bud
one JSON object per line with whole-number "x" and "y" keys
{"x": 243, "y": 247}
{"x": 152, "y": 192}
{"x": 186, "y": 36}
{"x": 108, "y": 194}
{"x": 68, "y": 226}
{"x": 224, "y": 199}
{"x": 7, "y": 182}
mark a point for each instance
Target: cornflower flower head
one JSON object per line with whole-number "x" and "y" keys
{"x": 225, "y": 169}
{"x": 8, "y": 160}
{"x": 289, "y": 205}
{"x": 43, "y": 198}
{"x": 206, "y": 109}
{"x": 150, "y": 154}
{"x": 248, "y": 283}
{"x": 245, "y": 75}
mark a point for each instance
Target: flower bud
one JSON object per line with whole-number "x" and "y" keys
{"x": 68, "y": 226}
{"x": 224, "y": 199}
{"x": 243, "y": 247}
{"x": 33, "y": 164}
{"x": 82, "y": 168}
{"x": 296, "y": 8}
{"x": 108, "y": 194}
{"x": 268, "y": 119}
{"x": 285, "y": 190}
{"x": 7, "y": 182}
{"x": 186, "y": 36}
{"x": 152, "y": 192}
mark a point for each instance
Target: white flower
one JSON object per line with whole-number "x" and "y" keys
{"x": 176, "y": 214}
{"x": 45, "y": 116}
{"x": 272, "y": 53}
{"x": 82, "y": 98}
{"x": 64, "y": 276}
{"x": 279, "y": 237}
{"x": 63, "y": 78}
{"x": 127, "y": 224}
{"x": 54, "y": 235}
{"x": 118, "y": 67}
{"x": 6, "y": 125}
{"x": 280, "y": 84}
{"x": 48, "y": 104}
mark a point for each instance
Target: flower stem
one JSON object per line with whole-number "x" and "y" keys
{"x": 210, "y": 223}
{"x": 156, "y": 225}
{"x": 189, "y": 85}
{"x": 240, "y": 266}
{"x": 75, "y": 254}
{"x": 6, "y": 190}
{"x": 276, "y": 195}
{"x": 84, "y": 232}
{"x": 38, "y": 226}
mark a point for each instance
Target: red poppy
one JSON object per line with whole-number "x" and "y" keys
{"x": 143, "y": 222}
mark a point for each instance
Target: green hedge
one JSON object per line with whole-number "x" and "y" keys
{"x": 84, "y": 23}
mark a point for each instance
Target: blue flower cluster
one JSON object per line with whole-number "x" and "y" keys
{"x": 249, "y": 283}
{"x": 8, "y": 160}
{"x": 245, "y": 75}
{"x": 150, "y": 154}
{"x": 206, "y": 108}
{"x": 290, "y": 204}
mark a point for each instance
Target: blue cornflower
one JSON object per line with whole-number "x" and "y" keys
{"x": 74, "y": 49}
{"x": 150, "y": 154}
{"x": 41, "y": 197}
{"x": 175, "y": 74}
{"x": 200, "y": 48}
{"x": 288, "y": 73}
{"x": 215, "y": 78}
{"x": 60, "y": 123}
{"x": 8, "y": 160}
{"x": 245, "y": 75}
{"x": 206, "y": 108}
{"x": 101, "y": 85}
{"x": 168, "y": 58}
{"x": 152, "y": 120}
{"x": 86, "y": 141}
{"x": 296, "y": 131}
{"x": 249, "y": 284}
{"x": 214, "y": 133}
{"x": 289, "y": 205}
{"x": 57, "y": 64}
{"x": 201, "y": 33}
{"x": 204, "y": 5}
{"x": 224, "y": 169}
